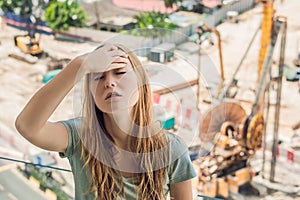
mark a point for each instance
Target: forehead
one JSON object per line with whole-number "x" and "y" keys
{"x": 127, "y": 68}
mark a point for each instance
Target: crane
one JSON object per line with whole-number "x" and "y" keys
{"x": 266, "y": 29}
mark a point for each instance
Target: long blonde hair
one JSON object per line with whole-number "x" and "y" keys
{"x": 106, "y": 181}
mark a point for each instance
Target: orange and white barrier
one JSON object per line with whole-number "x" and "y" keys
{"x": 185, "y": 117}
{"x": 188, "y": 118}
{"x": 291, "y": 155}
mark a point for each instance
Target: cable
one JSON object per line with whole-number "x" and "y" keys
{"x": 240, "y": 64}
{"x": 34, "y": 164}
{"x": 207, "y": 197}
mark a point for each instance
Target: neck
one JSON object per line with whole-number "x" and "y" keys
{"x": 118, "y": 127}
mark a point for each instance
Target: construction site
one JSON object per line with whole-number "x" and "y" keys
{"x": 233, "y": 97}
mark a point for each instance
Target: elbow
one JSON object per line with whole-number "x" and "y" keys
{"x": 19, "y": 126}
{"x": 22, "y": 128}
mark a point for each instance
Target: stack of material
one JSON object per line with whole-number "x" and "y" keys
{"x": 236, "y": 137}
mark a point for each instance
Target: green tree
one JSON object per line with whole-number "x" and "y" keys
{"x": 10, "y": 5}
{"x": 23, "y": 7}
{"x": 62, "y": 15}
{"x": 154, "y": 20}
{"x": 152, "y": 24}
{"x": 171, "y": 3}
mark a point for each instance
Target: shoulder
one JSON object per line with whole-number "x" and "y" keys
{"x": 73, "y": 129}
{"x": 176, "y": 143}
{"x": 73, "y": 124}
{"x": 177, "y": 148}
{"x": 180, "y": 168}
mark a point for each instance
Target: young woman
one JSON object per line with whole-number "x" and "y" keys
{"x": 115, "y": 149}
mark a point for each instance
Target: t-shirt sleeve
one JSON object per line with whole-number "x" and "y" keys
{"x": 72, "y": 126}
{"x": 181, "y": 168}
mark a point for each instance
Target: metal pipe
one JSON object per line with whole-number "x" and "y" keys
{"x": 205, "y": 28}
{"x": 240, "y": 64}
{"x": 261, "y": 86}
{"x": 220, "y": 54}
{"x": 199, "y": 76}
{"x": 283, "y": 21}
{"x": 200, "y": 31}
{"x": 176, "y": 87}
{"x": 265, "y": 131}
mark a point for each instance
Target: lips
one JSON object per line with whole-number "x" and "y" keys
{"x": 111, "y": 95}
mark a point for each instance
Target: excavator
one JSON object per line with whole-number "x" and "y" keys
{"x": 28, "y": 43}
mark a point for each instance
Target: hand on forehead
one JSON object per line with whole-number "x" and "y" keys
{"x": 107, "y": 46}
{"x": 104, "y": 58}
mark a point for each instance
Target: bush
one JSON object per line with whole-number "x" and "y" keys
{"x": 62, "y": 15}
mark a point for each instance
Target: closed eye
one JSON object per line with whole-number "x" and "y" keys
{"x": 98, "y": 78}
{"x": 120, "y": 73}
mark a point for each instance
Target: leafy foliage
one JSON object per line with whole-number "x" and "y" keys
{"x": 10, "y": 5}
{"x": 23, "y": 8}
{"x": 154, "y": 20}
{"x": 152, "y": 24}
{"x": 62, "y": 15}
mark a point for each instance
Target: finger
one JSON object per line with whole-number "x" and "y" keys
{"x": 113, "y": 48}
{"x": 124, "y": 55}
{"x": 120, "y": 59}
{"x": 99, "y": 47}
{"x": 118, "y": 53}
{"x": 105, "y": 46}
{"x": 115, "y": 66}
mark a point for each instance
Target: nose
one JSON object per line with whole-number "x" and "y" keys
{"x": 110, "y": 81}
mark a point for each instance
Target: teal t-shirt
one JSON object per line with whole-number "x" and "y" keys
{"x": 181, "y": 169}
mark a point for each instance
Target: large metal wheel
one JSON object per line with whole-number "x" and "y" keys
{"x": 255, "y": 132}
{"x": 213, "y": 120}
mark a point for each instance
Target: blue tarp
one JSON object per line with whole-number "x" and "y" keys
{"x": 26, "y": 20}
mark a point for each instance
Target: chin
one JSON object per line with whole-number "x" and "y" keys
{"x": 115, "y": 109}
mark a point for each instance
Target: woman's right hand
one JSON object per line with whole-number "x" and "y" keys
{"x": 104, "y": 58}
{"x": 32, "y": 122}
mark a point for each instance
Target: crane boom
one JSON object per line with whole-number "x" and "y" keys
{"x": 266, "y": 29}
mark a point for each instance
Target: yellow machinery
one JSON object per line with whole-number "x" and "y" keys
{"x": 266, "y": 28}
{"x": 28, "y": 44}
{"x": 228, "y": 136}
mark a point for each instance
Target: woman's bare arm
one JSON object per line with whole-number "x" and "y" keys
{"x": 32, "y": 122}
{"x": 181, "y": 191}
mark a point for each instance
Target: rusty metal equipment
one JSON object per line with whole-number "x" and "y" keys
{"x": 218, "y": 117}
{"x": 227, "y": 125}
{"x": 254, "y": 133}
{"x": 233, "y": 136}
